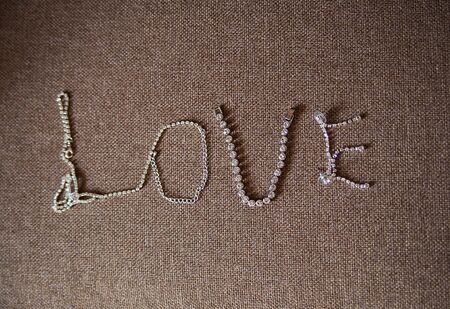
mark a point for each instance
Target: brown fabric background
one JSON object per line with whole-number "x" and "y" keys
{"x": 135, "y": 66}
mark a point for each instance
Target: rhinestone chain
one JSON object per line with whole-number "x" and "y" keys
{"x": 326, "y": 178}
{"x": 69, "y": 183}
{"x": 204, "y": 155}
{"x": 236, "y": 170}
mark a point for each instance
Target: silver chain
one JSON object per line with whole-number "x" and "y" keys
{"x": 236, "y": 170}
{"x": 327, "y": 177}
{"x": 204, "y": 157}
{"x": 69, "y": 182}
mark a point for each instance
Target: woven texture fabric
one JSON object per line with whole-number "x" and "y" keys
{"x": 135, "y": 66}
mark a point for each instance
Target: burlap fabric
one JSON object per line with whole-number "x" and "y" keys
{"x": 133, "y": 67}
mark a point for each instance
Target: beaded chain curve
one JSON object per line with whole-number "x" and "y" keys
{"x": 236, "y": 170}
{"x": 204, "y": 156}
{"x": 69, "y": 183}
{"x": 326, "y": 178}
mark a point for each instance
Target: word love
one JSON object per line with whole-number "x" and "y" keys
{"x": 68, "y": 194}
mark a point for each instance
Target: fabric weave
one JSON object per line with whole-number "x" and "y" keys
{"x": 134, "y": 66}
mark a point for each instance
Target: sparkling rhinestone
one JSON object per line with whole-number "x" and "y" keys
{"x": 226, "y": 131}
{"x": 222, "y": 124}
{"x": 251, "y": 203}
{"x": 274, "y": 179}
{"x": 245, "y": 199}
{"x": 241, "y": 193}
{"x": 283, "y": 148}
{"x": 236, "y": 170}
{"x": 219, "y": 116}
{"x": 238, "y": 178}
{"x": 230, "y": 146}
{"x": 233, "y": 154}
{"x": 284, "y": 132}
{"x": 228, "y": 139}
{"x": 281, "y": 156}
{"x": 280, "y": 164}
{"x": 234, "y": 162}
{"x": 320, "y": 117}
{"x": 266, "y": 200}
{"x": 240, "y": 185}
{"x": 283, "y": 140}
{"x": 277, "y": 172}
{"x": 286, "y": 124}
{"x": 271, "y": 195}
{"x": 272, "y": 187}
{"x": 259, "y": 203}
{"x": 325, "y": 179}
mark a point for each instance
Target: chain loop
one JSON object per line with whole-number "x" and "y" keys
{"x": 204, "y": 157}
